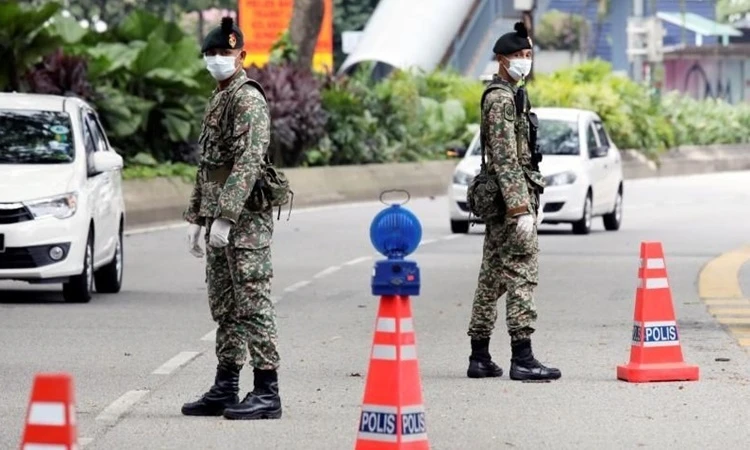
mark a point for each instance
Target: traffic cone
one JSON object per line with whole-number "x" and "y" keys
{"x": 656, "y": 352}
{"x": 392, "y": 415}
{"x": 51, "y": 417}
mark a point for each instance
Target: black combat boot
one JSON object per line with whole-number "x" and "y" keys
{"x": 480, "y": 361}
{"x": 262, "y": 403}
{"x": 221, "y": 395}
{"x": 523, "y": 365}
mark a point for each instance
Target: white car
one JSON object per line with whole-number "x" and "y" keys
{"x": 582, "y": 169}
{"x": 62, "y": 211}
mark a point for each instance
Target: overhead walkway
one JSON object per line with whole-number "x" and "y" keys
{"x": 427, "y": 34}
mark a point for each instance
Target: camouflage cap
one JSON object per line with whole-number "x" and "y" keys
{"x": 514, "y": 41}
{"x": 226, "y": 36}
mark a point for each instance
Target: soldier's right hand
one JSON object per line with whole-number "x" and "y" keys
{"x": 193, "y": 235}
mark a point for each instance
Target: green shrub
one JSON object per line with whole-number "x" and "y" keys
{"x": 633, "y": 116}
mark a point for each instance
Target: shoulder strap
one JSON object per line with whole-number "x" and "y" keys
{"x": 491, "y": 87}
{"x": 234, "y": 91}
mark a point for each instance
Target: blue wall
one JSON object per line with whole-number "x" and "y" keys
{"x": 611, "y": 35}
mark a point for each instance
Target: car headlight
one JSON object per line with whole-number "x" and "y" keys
{"x": 60, "y": 207}
{"x": 463, "y": 178}
{"x": 560, "y": 179}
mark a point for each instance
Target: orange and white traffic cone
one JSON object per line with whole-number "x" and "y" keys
{"x": 656, "y": 352}
{"x": 51, "y": 416}
{"x": 393, "y": 414}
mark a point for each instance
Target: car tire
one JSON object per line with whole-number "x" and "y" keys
{"x": 613, "y": 220}
{"x": 79, "y": 288}
{"x": 109, "y": 278}
{"x": 460, "y": 226}
{"x": 583, "y": 226}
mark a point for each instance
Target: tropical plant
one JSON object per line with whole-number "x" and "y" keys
{"x": 25, "y": 39}
{"x": 61, "y": 74}
{"x": 152, "y": 86}
{"x": 297, "y": 117}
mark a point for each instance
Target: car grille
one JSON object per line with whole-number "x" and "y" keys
{"x": 14, "y": 214}
{"x": 29, "y": 257}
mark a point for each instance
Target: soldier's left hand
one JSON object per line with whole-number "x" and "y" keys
{"x": 219, "y": 236}
{"x": 525, "y": 224}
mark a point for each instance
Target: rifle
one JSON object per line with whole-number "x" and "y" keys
{"x": 523, "y": 108}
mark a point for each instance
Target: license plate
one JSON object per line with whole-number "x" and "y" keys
{"x": 2, "y": 243}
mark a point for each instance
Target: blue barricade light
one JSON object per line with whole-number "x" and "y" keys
{"x": 395, "y": 232}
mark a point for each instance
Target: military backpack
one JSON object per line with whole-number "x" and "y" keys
{"x": 273, "y": 188}
{"x": 483, "y": 196}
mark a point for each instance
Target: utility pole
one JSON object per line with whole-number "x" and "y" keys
{"x": 638, "y": 7}
{"x": 527, "y": 8}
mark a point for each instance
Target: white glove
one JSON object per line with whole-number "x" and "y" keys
{"x": 525, "y": 225}
{"x": 193, "y": 234}
{"x": 220, "y": 233}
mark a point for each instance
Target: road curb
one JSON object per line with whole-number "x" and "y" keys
{"x": 162, "y": 200}
{"x": 719, "y": 289}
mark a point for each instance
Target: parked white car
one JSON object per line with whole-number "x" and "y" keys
{"x": 581, "y": 166}
{"x": 62, "y": 210}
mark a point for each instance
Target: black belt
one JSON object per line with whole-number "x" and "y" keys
{"x": 219, "y": 174}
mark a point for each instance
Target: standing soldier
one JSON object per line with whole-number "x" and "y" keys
{"x": 234, "y": 140}
{"x": 510, "y": 254}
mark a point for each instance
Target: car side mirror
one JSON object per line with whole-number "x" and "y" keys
{"x": 105, "y": 162}
{"x": 456, "y": 152}
{"x": 600, "y": 151}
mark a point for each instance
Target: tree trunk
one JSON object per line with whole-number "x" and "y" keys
{"x": 307, "y": 17}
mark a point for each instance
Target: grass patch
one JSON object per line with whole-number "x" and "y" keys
{"x": 164, "y": 170}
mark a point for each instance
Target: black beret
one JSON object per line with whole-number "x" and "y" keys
{"x": 226, "y": 36}
{"x": 514, "y": 41}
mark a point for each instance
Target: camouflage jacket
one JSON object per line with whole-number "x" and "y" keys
{"x": 231, "y": 161}
{"x": 507, "y": 147}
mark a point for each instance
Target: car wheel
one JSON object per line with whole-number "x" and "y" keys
{"x": 613, "y": 220}
{"x": 109, "y": 278}
{"x": 79, "y": 288}
{"x": 583, "y": 226}
{"x": 460, "y": 226}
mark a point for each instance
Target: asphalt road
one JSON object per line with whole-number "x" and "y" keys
{"x": 138, "y": 355}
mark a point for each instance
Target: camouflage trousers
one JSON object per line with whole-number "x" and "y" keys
{"x": 239, "y": 296}
{"x": 510, "y": 265}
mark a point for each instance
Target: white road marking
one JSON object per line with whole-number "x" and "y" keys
{"x": 357, "y": 260}
{"x": 116, "y": 409}
{"x": 327, "y": 272}
{"x": 182, "y": 224}
{"x": 152, "y": 229}
{"x": 175, "y": 363}
{"x": 210, "y": 336}
{"x": 298, "y": 285}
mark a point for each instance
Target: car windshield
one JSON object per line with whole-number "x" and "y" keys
{"x": 555, "y": 137}
{"x": 558, "y": 137}
{"x": 35, "y": 137}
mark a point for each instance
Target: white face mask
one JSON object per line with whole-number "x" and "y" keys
{"x": 519, "y": 67}
{"x": 220, "y": 67}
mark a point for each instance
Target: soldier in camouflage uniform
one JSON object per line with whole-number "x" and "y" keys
{"x": 234, "y": 139}
{"x": 510, "y": 254}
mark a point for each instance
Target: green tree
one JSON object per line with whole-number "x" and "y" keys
{"x": 730, "y": 10}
